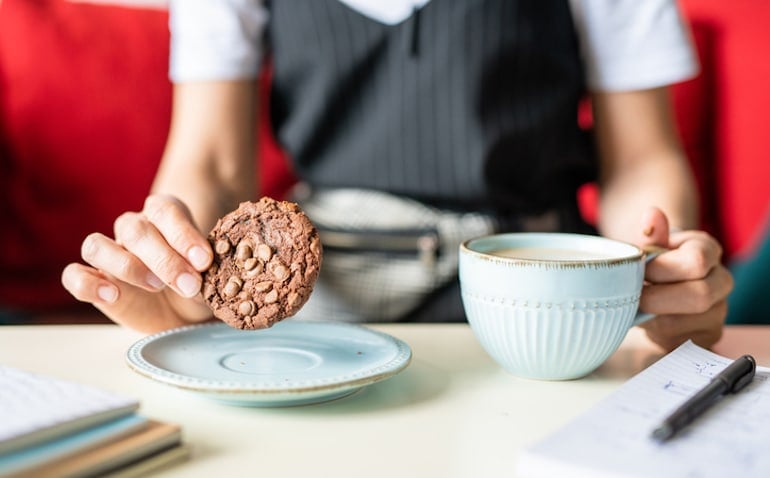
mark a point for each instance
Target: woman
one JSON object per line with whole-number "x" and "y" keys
{"x": 458, "y": 116}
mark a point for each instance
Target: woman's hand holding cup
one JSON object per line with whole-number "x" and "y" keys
{"x": 686, "y": 287}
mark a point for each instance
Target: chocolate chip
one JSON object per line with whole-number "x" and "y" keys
{"x": 237, "y": 280}
{"x": 281, "y": 272}
{"x": 263, "y": 286}
{"x": 243, "y": 251}
{"x": 264, "y": 252}
{"x": 247, "y": 308}
{"x": 257, "y": 269}
{"x": 315, "y": 247}
{"x": 222, "y": 246}
{"x": 233, "y": 286}
{"x": 271, "y": 297}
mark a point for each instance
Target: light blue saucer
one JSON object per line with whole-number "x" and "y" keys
{"x": 292, "y": 363}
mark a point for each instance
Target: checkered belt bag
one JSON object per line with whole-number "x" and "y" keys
{"x": 383, "y": 254}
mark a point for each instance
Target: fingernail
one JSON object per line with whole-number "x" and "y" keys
{"x": 107, "y": 293}
{"x": 154, "y": 282}
{"x": 198, "y": 257}
{"x": 187, "y": 284}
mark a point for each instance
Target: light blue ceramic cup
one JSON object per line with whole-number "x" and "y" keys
{"x": 558, "y": 316}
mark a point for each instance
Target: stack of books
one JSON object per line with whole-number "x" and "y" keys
{"x": 55, "y": 428}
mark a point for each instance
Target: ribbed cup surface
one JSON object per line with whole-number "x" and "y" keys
{"x": 550, "y": 341}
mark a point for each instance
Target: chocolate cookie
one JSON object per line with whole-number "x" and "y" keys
{"x": 266, "y": 260}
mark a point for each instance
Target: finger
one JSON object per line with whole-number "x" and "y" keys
{"x": 693, "y": 256}
{"x": 106, "y": 293}
{"x": 103, "y": 253}
{"x": 87, "y": 284}
{"x": 91, "y": 285}
{"x": 654, "y": 228}
{"x": 680, "y": 237}
{"x": 128, "y": 305}
{"x": 140, "y": 238}
{"x": 174, "y": 221}
{"x": 670, "y": 331}
{"x": 687, "y": 297}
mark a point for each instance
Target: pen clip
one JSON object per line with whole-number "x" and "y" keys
{"x": 747, "y": 377}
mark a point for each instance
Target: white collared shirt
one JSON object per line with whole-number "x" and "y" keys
{"x": 626, "y": 44}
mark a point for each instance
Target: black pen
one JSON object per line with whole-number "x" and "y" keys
{"x": 730, "y": 380}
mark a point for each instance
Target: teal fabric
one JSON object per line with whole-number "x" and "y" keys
{"x": 11, "y": 317}
{"x": 749, "y": 302}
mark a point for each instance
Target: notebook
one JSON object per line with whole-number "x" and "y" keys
{"x": 20, "y": 462}
{"x": 52, "y": 427}
{"x": 154, "y": 443}
{"x": 155, "y": 462}
{"x": 613, "y": 439}
{"x": 36, "y": 408}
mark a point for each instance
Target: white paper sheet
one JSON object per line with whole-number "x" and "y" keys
{"x": 35, "y": 408}
{"x": 613, "y": 439}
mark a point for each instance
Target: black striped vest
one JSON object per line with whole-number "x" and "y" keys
{"x": 467, "y": 104}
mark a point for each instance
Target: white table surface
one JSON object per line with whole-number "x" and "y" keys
{"x": 452, "y": 413}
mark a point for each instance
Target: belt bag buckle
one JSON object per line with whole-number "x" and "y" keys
{"x": 425, "y": 243}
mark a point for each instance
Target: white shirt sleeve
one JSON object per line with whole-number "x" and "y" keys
{"x": 633, "y": 44}
{"x": 215, "y": 39}
{"x": 626, "y": 44}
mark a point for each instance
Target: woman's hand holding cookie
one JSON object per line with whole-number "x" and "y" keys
{"x": 147, "y": 275}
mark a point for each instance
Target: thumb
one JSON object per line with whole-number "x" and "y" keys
{"x": 654, "y": 228}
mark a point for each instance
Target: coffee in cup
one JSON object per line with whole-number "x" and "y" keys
{"x": 549, "y": 253}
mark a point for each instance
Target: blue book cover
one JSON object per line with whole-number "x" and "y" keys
{"x": 34, "y": 456}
